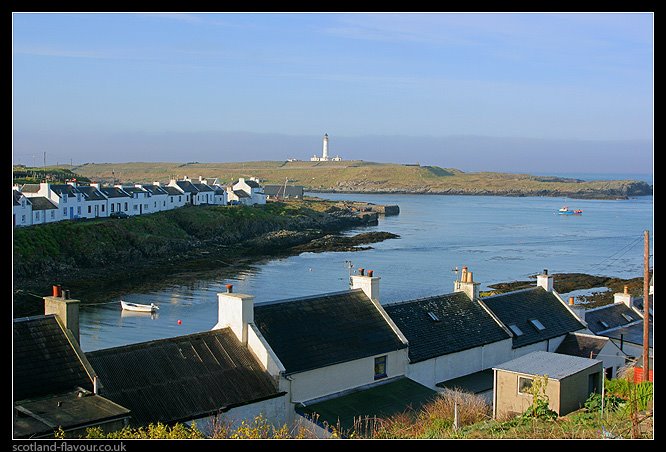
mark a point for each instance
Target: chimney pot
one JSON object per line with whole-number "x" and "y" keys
{"x": 361, "y": 271}
{"x": 470, "y": 277}
{"x": 571, "y": 301}
{"x": 230, "y": 288}
{"x": 65, "y": 294}
{"x": 370, "y": 272}
{"x": 56, "y": 291}
{"x": 626, "y": 289}
{"x": 545, "y": 271}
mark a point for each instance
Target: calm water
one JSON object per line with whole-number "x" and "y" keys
{"x": 498, "y": 238}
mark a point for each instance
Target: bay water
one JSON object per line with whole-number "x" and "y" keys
{"x": 500, "y": 239}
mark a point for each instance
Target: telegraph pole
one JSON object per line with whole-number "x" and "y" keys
{"x": 646, "y": 309}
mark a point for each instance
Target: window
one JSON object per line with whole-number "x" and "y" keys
{"x": 64, "y": 199}
{"x": 524, "y": 385}
{"x": 22, "y": 218}
{"x": 125, "y": 207}
{"x": 53, "y": 214}
{"x": 604, "y": 324}
{"x": 64, "y": 211}
{"x": 179, "y": 199}
{"x": 380, "y": 367}
{"x": 164, "y": 203}
{"x": 627, "y": 317}
{"x": 433, "y": 316}
{"x": 78, "y": 210}
{"x": 145, "y": 206}
{"x": 538, "y": 325}
{"x": 37, "y": 216}
{"x": 112, "y": 208}
{"x": 136, "y": 207}
{"x": 517, "y": 331}
{"x": 155, "y": 204}
{"x": 103, "y": 207}
{"x": 171, "y": 199}
{"x": 89, "y": 209}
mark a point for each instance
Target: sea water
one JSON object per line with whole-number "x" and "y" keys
{"x": 499, "y": 239}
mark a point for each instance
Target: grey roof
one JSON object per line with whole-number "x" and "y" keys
{"x": 17, "y": 195}
{"x": 202, "y": 187}
{"x": 44, "y": 360}
{"x": 220, "y": 191}
{"x": 30, "y": 188}
{"x": 171, "y": 190}
{"x": 555, "y": 365}
{"x": 382, "y": 400}
{"x": 64, "y": 189}
{"x": 475, "y": 383}
{"x": 241, "y": 194}
{"x": 71, "y": 410}
{"x": 312, "y": 332}
{"x": 463, "y": 324}
{"x": 114, "y": 192}
{"x": 292, "y": 191}
{"x": 154, "y": 189}
{"x": 92, "y": 193}
{"x": 134, "y": 190}
{"x": 182, "y": 378}
{"x": 583, "y": 345}
{"x": 250, "y": 183}
{"x": 521, "y": 306}
{"x": 42, "y": 203}
{"x": 632, "y": 333}
{"x": 187, "y": 186}
{"x": 611, "y": 315}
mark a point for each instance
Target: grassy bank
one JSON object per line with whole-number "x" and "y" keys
{"x": 369, "y": 177}
{"x": 105, "y": 255}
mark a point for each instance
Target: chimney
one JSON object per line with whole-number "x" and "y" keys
{"x": 236, "y": 311}
{"x": 95, "y": 185}
{"x": 369, "y": 283}
{"x": 624, "y": 297}
{"x": 577, "y": 309}
{"x": 467, "y": 284}
{"x": 545, "y": 280}
{"x": 157, "y": 183}
{"x": 65, "y": 308}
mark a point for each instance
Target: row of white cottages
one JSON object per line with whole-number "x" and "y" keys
{"x": 47, "y": 203}
{"x": 292, "y": 359}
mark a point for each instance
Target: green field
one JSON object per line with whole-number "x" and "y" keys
{"x": 366, "y": 177}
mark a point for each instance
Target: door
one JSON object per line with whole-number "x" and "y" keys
{"x": 71, "y": 213}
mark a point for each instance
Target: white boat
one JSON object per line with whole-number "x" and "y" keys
{"x": 152, "y": 307}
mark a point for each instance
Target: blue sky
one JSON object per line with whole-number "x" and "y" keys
{"x": 524, "y": 92}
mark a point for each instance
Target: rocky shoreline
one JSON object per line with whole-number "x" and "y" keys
{"x": 139, "y": 261}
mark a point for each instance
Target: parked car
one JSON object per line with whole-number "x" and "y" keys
{"x": 118, "y": 214}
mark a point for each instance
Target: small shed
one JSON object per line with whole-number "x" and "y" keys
{"x": 571, "y": 379}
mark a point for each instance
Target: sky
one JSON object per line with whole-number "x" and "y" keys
{"x": 532, "y": 92}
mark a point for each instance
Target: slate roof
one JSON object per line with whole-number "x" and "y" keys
{"x": 312, "y": 332}
{"x": 154, "y": 189}
{"x": 638, "y": 304}
{"x": 382, "y": 400}
{"x": 250, "y": 183}
{"x": 17, "y": 197}
{"x": 42, "y": 203}
{"x": 182, "y": 378}
{"x": 521, "y": 306}
{"x": 30, "y": 188}
{"x": 291, "y": 191}
{"x": 44, "y": 360}
{"x": 632, "y": 333}
{"x": 134, "y": 190}
{"x": 171, "y": 190}
{"x": 64, "y": 189}
{"x": 611, "y": 315}
{"x": 187, "y": 186}
{"x": 114, "y": 192}
{"x": 583, "y": 345}
{"x": 41, "y": 416}
{"x": 474, "y": 383}
{"x": 555, "y": 365}
{"x": 92, "y": 194}
{"x": 202, "y": 187}
{"x": 241, "y": 194}
{"x": 463, "y": 324}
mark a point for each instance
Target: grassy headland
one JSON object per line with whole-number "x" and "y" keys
{"x": 368, "y": 177}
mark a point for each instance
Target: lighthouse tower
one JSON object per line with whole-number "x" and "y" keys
{"x": 324, "y": 154}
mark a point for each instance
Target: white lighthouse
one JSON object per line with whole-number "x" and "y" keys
{"x": 324, "y": 153}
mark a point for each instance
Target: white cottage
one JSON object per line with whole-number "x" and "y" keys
{"x": 22, "y": 209}
{"x": 252, "y": 188}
